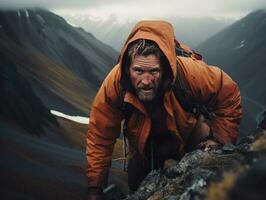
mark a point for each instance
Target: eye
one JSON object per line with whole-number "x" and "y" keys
{"x": 155, "y": 71}
{"x": 138, "y": 71}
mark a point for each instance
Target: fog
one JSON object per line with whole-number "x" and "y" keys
{"x": 144, "y": 8}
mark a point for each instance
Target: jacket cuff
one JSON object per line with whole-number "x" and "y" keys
{"x": 99, "y": 181}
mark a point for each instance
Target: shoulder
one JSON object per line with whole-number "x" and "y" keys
{"x": 190, "y": 67}
{"x": 111, "y": 86}
{"x": 114, "y": 75}
{"x": 198, "y": 72}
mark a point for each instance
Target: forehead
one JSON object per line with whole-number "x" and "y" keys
{"x": 146, "y": 61}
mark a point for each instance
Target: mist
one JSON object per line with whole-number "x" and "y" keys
{"x": 143, "y": 8}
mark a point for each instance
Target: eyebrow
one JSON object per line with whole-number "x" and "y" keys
{"x": 151, "y": 67}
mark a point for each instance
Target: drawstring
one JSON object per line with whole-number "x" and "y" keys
{"x": 152, "y": 152}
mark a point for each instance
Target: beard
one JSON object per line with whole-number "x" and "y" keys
{"x": 147, "y": 93}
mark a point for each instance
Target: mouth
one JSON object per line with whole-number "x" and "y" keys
{"x": 146, "y": 90}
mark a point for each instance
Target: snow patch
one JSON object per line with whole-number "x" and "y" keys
{"x": 19, "y": 13}
{"x": 242, "y": 44}
{"x": 82, "y": 120}
{"x": 27, "y": 13}
{"x": 74, "y": 25}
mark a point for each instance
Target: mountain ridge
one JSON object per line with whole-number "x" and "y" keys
{"x": 239, "y": 50}
{"x": 47, "y": 40}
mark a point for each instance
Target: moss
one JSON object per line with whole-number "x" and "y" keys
{"x": 158, "y": 195}
{"x": 260, "y": 143}
{"x": 219, "y": 190}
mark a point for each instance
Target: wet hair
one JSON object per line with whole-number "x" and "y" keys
{"x": 144, "y": 47}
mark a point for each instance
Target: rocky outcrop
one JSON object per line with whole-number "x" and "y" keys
{"x": 216, "y": 174}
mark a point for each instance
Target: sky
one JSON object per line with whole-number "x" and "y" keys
{"x": 135, "y": 9}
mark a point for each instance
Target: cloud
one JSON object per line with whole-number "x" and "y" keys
{"x": 144, "y": 8}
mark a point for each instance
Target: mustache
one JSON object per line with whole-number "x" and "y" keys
{"x": 146, "y": 87}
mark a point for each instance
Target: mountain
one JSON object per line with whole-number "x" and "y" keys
{"x": 240, "y": 51}
{"x": 65, "y": 65}
{"x": 194, "y": 31}
{"x": 46, "y": 64}
{"x": 191, "y": 31}
{"x": 19, "y": 102}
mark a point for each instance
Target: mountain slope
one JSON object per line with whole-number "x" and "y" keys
{"x": 240, "y": 51}
{"x": 19, "y": 102}
{"x": 64, "y": 64}
{"x": 46, "y": 64}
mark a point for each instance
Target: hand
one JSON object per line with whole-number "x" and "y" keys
{"x": 209, "y": 145}
{"x": 202, "y": 128}
{"x": 200, "y": 131}
{"x": 95, "y": 194}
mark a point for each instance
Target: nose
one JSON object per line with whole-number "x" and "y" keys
{"x": 147, "y": 79}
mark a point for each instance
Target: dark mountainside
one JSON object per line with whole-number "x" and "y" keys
{"x": 36, "y": 153}
{"x": 191, "y": 31}
{"x": 16, "y": 93}
{"x": 65, "y": 65}
{"x": 240, "y": 51}
{"x": 46, "y": 64}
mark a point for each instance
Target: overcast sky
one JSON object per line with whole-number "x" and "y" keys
{"x": 144, "y": 8}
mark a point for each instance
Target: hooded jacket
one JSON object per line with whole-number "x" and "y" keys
{"x": 208, "y": 84}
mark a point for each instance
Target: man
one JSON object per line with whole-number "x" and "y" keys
{"x": 158, "y": 127}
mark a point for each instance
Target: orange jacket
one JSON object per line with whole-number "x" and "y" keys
{"x": 209, "y": 84}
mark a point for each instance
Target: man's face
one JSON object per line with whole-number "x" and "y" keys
{"x": 146, "y": 73}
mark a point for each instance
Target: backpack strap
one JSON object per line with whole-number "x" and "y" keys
{"x": 126, "y": 108}
{"x": 127, "y": 111}
{"x": 185, "y": 51}
{"x": 181, "y": 93}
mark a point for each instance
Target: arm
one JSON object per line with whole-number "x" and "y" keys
{"x": 215, "y": 89}
{"x": 104, "y": 128}
{"x": 228, "y": 110}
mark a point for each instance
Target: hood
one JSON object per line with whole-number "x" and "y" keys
{"x": 162, "y": 33}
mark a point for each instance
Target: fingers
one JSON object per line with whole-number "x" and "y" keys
{"x": 209, "y": 145}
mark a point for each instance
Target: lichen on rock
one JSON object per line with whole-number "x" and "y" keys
{"x": 214, "y": 174}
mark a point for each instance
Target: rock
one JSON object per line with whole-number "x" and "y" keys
{"x": 169, "y": 163}
{"x": 195, "y": 191}
{"x": 199, "y": 174}
{"x": 246, "y": 140}
{"x": 228, "y": 148}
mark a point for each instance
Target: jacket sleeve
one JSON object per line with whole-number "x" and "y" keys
{"x": 215, "y": 89}
{"x": 104, "y": 129}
